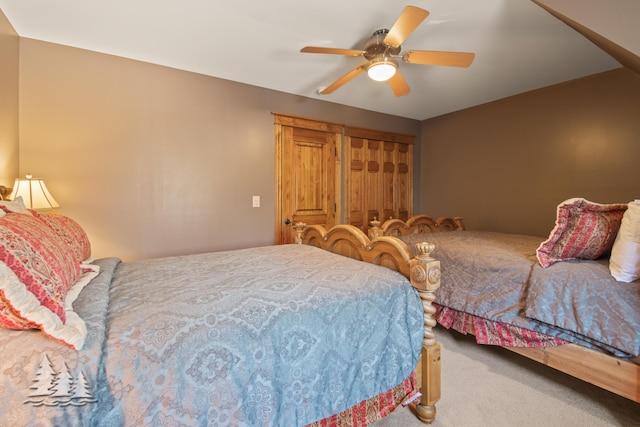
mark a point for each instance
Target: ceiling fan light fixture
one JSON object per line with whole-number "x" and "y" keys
{"x": 382, "y": 69}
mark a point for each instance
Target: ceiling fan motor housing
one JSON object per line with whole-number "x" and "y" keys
{"x": 375, "y": 47}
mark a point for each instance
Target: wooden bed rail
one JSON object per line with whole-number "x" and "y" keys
{"x": 422, "y": 270}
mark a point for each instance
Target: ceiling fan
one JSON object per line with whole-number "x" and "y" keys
{"x": 382, "y": 52}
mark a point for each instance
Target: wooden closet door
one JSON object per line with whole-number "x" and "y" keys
{"x": 378, "y": 176}
{"x": 306, "y": 162}
{"x": 356, "y": 161}
{"x": 364, "y": 186}
{"x": 404, "y": 181}
{"x": 389, "y": 186}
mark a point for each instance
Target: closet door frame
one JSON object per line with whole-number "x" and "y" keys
{"x": 373, "y": 173}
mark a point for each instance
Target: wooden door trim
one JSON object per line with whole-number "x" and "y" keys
{"x": 278, "y": 168}
{"x": 378, "y": 135}
{"x": 343, "y": 134}
{"x": 307, "y": 123}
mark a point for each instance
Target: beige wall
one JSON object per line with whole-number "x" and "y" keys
{"x": 9, "y": 43}
{"x": 154, "y": 161}
{"x": 506, "y": 165}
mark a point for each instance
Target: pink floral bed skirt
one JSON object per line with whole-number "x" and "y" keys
{"x": 493, "y": 333}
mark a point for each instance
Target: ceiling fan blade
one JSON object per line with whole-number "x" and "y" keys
{"x": 342, "y": 80}
{"x": 399, "y": 85}
{"x": 430, "y": 57}
{"x": 408, "y": 21}
{"x": 332, "y": 50}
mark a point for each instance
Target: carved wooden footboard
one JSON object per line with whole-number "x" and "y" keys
{"x": 617, "y": 375}
{"x": 424, "y": 273}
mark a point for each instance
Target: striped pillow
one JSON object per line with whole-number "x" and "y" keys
{"x": 583, "y": 230}
{"x": 69, "y": 231}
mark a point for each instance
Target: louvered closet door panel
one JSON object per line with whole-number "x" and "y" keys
{"x": 374, "y": 181}
{"x": 389, "y": 181}
{"x": 356, "y": 158}
{"x": 379, "y": 176}
{"x": 404, "y": 181}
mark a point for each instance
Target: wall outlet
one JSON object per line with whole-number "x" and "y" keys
{"x": 256, "y": 201}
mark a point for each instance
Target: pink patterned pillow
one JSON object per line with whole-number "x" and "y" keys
{"x": 29, "y": 313}
{"x": 44, "y": 265}
{"x": 69, "y": 231}
{"x": 583, "y": 230}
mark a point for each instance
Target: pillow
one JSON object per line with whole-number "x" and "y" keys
{"x": 16, "y": 206}
{"x": 45, "y": 268}
{"x": 26, "y": 312}
{"x": 583, "y": 230}
{"x": 69, "y": 231}
{"x": 624, "y": 262}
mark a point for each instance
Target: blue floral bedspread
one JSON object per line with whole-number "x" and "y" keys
{"x": 497, "y": 276}
{"x": 271, "y": 336}
{"x": 32, "y": 365}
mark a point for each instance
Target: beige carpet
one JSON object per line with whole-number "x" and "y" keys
{"x": 490, "y": 386}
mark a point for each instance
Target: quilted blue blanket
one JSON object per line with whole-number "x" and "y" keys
{"x": 496, "y": 276}
{"x": 272, "y": 336}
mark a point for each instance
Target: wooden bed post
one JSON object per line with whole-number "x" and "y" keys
{"x": 425, "y": 277}
{"x": 375, "y": 230}
{"x": 299, "y": 228}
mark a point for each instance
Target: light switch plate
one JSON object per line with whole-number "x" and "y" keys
{"x": 256, "y": 201}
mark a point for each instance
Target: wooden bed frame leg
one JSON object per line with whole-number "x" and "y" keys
{"x": 430, "y": 387}
{"x": 425, "y": 277}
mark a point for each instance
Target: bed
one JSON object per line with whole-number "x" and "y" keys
{"x": 571, "y": 314}
{"x": 285, "y": 335}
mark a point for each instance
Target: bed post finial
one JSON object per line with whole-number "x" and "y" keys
{"x": 375, "y": 230}
{"x": 425, "y": 277}
{"x": 299, "y": 227}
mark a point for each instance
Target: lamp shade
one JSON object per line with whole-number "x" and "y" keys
{"x": 34, "y": 192}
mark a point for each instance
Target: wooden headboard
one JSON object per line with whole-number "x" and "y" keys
{"x": 415, "y": 224}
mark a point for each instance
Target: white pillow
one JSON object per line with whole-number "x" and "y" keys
{"x": 16, "y": 206}
{"x": 624, "y": 262}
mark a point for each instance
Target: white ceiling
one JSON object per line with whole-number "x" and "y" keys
{"x": 518, "y": 45}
